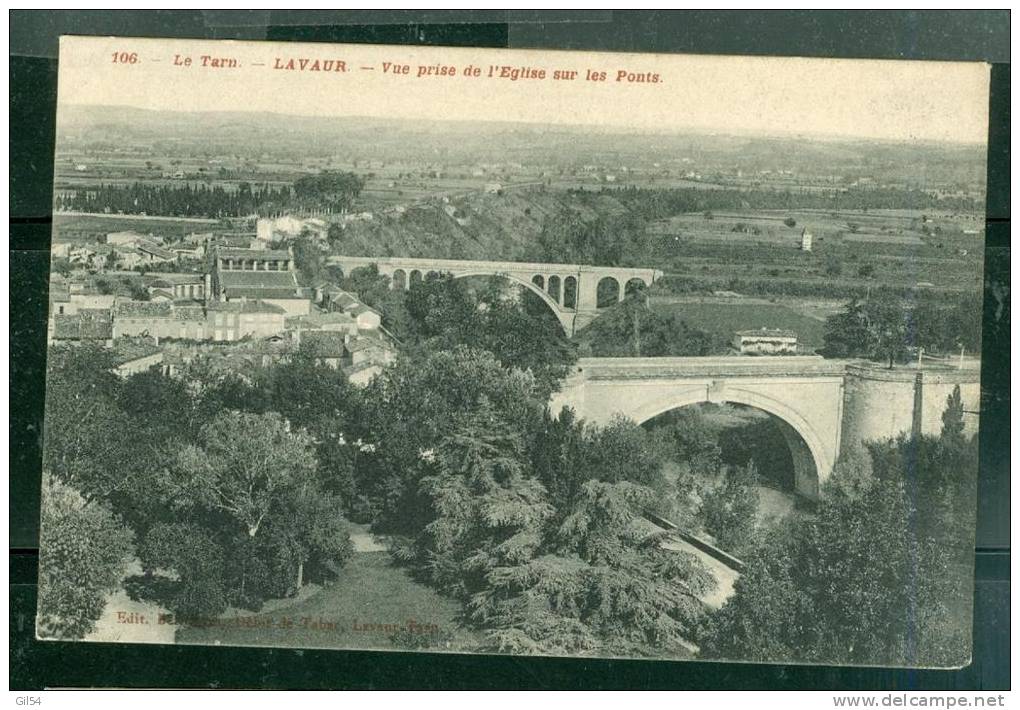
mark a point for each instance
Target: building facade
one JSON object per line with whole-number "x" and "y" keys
{"x": 765, "y": 342}
{"x": 267, "y": 275}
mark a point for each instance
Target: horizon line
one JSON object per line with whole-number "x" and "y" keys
{"x": 603, "y": 128}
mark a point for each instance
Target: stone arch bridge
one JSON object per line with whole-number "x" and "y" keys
{"x": 570, "y": 290}
{"x": 822, "y": 407}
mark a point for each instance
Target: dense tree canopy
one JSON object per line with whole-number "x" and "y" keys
{"x": 875, "y": 576}
{"x": 729, "y": 509}
{"x": 241, "y": 505}
{"x": 568, "y": 237}
{"x": 337, "y": 190}
{"x": 243, "y": 463}
{"x": 875, "y": 329}
{"x": 84, "y": 553}
{"x": 187, "y": 200}
{"x": 633, "y": 329}
{"x": 415, "y": 405}
{"x": 886, "y": 328}
{"x": 328, "y": 190}
{"x": 238, "y": 487}
{"x": 568, "y": 572}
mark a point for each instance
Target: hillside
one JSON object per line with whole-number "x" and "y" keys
{"x": 479, "y": 226}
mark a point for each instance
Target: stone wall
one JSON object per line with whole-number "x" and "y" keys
{"x": 880, "y": 403}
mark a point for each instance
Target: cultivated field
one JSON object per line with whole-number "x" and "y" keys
{"x": 725, "y": 319}
{"x": 67, "y": 225}
{"x": 901, "y": 227}
{"x": 757, "y": 252}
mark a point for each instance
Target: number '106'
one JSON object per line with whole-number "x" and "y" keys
{"x": 125, "y": 57}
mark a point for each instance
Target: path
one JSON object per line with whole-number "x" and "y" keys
{"x": 122, "y": 617}
{"x": 724, "y": 576}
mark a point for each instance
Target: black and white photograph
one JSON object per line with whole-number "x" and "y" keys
{"x": 495, "y": 351}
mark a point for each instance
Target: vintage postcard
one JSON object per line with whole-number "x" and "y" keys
{"x": 524, "y": 352}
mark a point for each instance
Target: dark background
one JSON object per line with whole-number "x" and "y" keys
{"x": 930, "y": 35}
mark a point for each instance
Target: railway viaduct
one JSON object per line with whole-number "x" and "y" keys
{"x": 570, "y": 290}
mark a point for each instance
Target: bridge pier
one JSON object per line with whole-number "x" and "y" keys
{"x": 881, "y": 403}
{"x": 587, "y": 292}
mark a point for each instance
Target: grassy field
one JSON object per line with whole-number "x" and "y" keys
{"x": 727, "y": 318}
{"x": 175, "y": 227}
{"x": 370, "y": 592}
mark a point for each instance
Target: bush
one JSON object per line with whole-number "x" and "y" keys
{"x": 730, "y": 509}
{"x": 421, "y": 637}
{"x": 190, "y": 553}
{"x": 328, "y": 541}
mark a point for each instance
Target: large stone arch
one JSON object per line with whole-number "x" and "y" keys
{"x": 634, "y": 285}
{"x": 566, "y": 319}
{"x": 610, "y": 289}
{"x": 811, "y": 460}
{"x": 570, "y": 291}
{"x": 398, "y": 279}
{"x": 554, "y": 288}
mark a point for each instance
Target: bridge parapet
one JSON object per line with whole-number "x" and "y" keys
{"x": 943, "y": 374}
{"x": 728, "y": 366}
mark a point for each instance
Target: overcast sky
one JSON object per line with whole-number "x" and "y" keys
{"x": 868, "y": 99}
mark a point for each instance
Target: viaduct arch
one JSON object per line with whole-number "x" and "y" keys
{"x": 532, "y": 286}
{"x": 570, "y": 290}
{"x": 807, "y": 447}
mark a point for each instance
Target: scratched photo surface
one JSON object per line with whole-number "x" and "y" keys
{"x": 520, "y": 352}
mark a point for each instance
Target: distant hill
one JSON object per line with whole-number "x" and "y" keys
{"x": 462, "y": 142}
